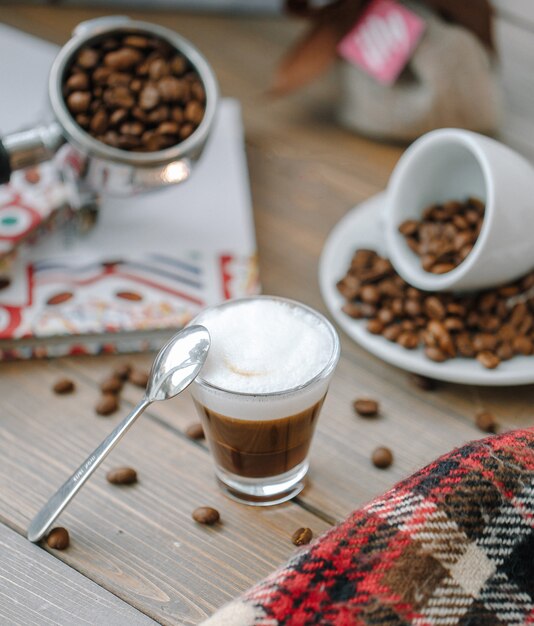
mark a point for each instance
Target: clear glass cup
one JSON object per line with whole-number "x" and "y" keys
{"x": 260, "y": 441}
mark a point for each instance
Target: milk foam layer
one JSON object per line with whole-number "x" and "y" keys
{"x": 263, "y": 346}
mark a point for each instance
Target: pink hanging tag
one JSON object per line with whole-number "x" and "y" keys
{"x": 383, "y": 40}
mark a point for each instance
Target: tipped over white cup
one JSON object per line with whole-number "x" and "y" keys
{"x": 454, "y": 164}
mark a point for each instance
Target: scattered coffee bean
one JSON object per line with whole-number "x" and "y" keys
{"x": 4, "y": 282}
{"x": 122, "y": 371}
{"x": 58, "y": 538}
{"x": 382, "y": 457}
{"x": 488, "y": 326}
{"x": 107, "y": 404}
{"x": 124, "y": 86}
{"x": 111, "y": 385}
{"x": 423, "y": 382}
{"x": 366, "y": 407}
{"x": 486, "y": 422}
{"x": 206, "y": 515}
{"x": 445, "y": 234}
{"x": 64, "y": 386}
{"x": 195, "y": 431}
{"x": 302, "y": 536}
{"x": 122, "y": 476}
{"x": 138, "y": 378}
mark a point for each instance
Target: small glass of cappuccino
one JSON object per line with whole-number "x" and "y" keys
{"x": 260, "y": 392}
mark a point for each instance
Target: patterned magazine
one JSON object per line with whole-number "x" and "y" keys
{"x": 147, "y": 267}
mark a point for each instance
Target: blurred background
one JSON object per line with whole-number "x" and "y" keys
{"x": 466, "y": 97}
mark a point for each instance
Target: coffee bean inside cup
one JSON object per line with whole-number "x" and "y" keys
{"x": 445, "y": 234}
{"x": 134, "y": 92}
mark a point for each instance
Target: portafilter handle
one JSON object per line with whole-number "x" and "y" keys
{"x": 28, "y": 147}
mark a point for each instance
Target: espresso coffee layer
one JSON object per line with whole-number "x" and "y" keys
{"x": 259, "y": 448}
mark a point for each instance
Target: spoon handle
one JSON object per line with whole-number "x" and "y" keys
{"x": 41, "y": 523}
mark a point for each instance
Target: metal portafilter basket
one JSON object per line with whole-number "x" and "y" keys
{"x": 93, "y": 167}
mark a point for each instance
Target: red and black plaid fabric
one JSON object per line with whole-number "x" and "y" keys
{"x": 453, "y": 545}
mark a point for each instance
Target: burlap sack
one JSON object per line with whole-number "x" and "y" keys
{"x": 449, "y": 82}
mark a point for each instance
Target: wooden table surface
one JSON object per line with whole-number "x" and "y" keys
{"x": 136, "y": 555}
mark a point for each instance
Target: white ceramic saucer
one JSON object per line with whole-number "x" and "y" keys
{"x": 361, "y": 228}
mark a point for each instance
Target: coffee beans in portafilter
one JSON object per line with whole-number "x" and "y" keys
{"x": 491, "y": 326}
{"x": 134, "y": 92}
{"x": 445, "y": 234}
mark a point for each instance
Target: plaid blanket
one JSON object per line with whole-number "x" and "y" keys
{"x": 453, "y": 545}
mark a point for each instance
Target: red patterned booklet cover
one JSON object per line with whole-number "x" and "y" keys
{"x": 150, "y": 263}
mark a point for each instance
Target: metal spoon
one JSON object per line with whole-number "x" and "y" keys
{"x": 175, "y": 367}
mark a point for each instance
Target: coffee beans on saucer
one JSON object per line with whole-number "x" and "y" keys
{"x": 445, "y": 234}
{"x": 206, "y": 515}
{"x": 58, "y": 538}
{"x": 134, "y": 92}
{"x": 302, "y": 536}
{"x": 491, "y": 326}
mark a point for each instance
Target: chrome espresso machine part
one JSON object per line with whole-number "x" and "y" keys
{"x": 92, "y": 167}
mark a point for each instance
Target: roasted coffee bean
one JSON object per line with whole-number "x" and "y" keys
{"x": 99, "y": 122}
{"x": 113, "y": 384}
{"x": 195, "y": 431}
{"x": 366, "y": 407}
{"x": 78, "y": 82}
{"x": 123, "y": 59}
{"x": 58, "y": 538}
{"x": 136, "y": 41}
{"x": 122, "y": 371}
{"x": 392, "y": 332}
{"x": 352, "y": 310}
{"x": 302, "y": 536}
{"x": 488, "y": 359}
{"x": 186, "y": 130}
{"x": 107, "y": 404}
{"x": 79, "y": 101}
{"x": 63, "y": 386}
{"x": 194, "y": 112}
{"x": 149, "y": 97}
{"x": 178, "y": 65}
{"x": 408, "y": 340}
{"x": 157, "y": 69}
{"x": 505, "y": 351}
{"x": 375, "y": 326}
{"x": 172, "y": 89}
{"x": 87, "y": 58}
{"x": 423, "y": 382}
{"x": 434, "y": 308}
{"x": 5, "y": 282}
{"x": 486, "y": 422}
{"x": 382, "y": 457}
{"x": 122, "y": 476}
{"x": 206, "y": 515}
{"x": 118, "y": 116}
{"x": 435, "y": 354}
{"x": 522, "y": 345}
{"x": 138, "y": 378}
